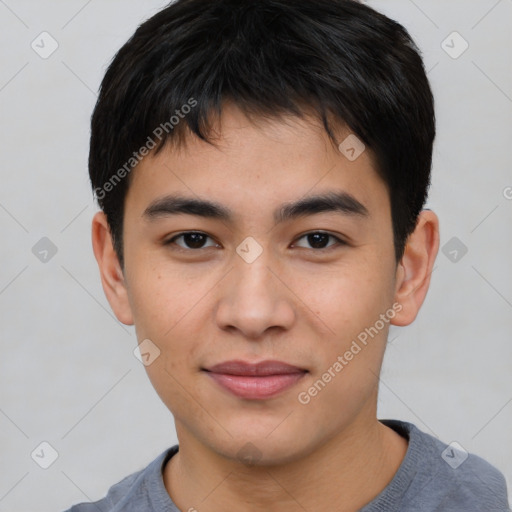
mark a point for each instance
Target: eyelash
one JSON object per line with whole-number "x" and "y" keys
{"x": 339, "y": 241}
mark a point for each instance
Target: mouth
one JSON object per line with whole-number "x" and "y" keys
{"x": 258, "y": 381}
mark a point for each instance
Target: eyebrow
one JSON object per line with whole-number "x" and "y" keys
{"x": 341, "y": 202}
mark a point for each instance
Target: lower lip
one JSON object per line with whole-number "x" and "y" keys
{"x": 256, "y": 388}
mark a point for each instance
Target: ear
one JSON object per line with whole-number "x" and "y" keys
{"x": 112, "y": 277}
{"x": 414, "y": 270}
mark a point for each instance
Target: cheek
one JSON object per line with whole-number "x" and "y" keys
{"x": 350, "y": 355}
{"x": 165, "y": 314}
{"x": 159, "y": 299}
{"x": 166, "y": 308}
{"x": 347, "y": 300}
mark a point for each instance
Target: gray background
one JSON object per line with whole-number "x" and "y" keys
{"x": 68, "y": 374}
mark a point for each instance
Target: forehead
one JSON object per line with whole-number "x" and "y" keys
{"x": 259, "y": 161}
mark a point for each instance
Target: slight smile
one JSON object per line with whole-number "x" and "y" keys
{"x": 255, "y": 381}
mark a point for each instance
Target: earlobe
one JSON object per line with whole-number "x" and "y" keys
{"x": 112, "y": 278}
{"x": 415, "y": 268}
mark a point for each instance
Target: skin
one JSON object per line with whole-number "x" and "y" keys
{"x": 295, "y": 303}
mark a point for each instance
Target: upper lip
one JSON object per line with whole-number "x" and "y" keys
{"x": 267, "y": 367}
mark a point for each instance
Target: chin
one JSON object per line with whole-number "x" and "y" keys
{"x": 253, "y": 450}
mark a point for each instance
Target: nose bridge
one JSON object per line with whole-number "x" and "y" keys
{"x": 252, "y": 264}
{"x": 255, "y": 277}
{"x": 254, "y": 299}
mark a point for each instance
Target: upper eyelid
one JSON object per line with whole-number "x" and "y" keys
{"x": 339, "y": 239}
{"x": 183, "y": 233}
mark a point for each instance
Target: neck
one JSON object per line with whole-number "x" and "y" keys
{"x": 348, "y": 470}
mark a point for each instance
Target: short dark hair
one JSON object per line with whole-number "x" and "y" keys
{"x": 339, "y": 58}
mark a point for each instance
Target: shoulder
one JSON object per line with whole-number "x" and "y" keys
{"x": 131, "y": 492}
{"x": 449, "y": 478}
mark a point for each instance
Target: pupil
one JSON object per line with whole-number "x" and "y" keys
{"x": 315, "y": 240}
{"x": 194, "y": 240}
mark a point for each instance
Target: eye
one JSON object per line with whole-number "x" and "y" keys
{"x": 191, "y": 239}
{"x": 319, "y": 239}
{"x": 195, "y": 240}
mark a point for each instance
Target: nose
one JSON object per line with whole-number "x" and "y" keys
{"x": 255, "y": 298}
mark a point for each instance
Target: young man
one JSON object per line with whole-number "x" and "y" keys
{"x": 262, "y": 168}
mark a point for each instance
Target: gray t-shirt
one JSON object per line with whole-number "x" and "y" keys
{"x": 433, "y": 477}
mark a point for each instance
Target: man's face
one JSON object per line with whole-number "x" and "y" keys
{"x": 255, "y": 287}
